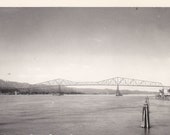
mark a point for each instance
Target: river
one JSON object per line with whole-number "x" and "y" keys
{"x": 81, "y": 115}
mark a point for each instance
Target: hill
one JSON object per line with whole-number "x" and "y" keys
{"x": 9, "y": 87}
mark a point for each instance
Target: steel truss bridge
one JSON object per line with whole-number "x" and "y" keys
{"x": 108, "y": 82}
{"x": 116, "y": 81}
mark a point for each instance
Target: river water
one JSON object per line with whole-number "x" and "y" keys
{"x": 81, "y": 115}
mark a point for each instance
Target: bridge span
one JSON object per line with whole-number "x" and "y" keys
{"x": 116, "y": 81}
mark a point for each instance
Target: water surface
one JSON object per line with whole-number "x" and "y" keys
{"x": 80, "y": 115}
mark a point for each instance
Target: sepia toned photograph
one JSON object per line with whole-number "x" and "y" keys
{"x": 84, "y": 70}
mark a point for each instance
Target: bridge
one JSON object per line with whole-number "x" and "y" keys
{"x": 116, "y": 81}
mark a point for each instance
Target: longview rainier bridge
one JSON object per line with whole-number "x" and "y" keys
{"x": 116, "y": 81}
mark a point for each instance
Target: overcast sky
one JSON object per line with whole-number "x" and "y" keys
{"x": 84, "y": 44}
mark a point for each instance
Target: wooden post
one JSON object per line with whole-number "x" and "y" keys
{"x": 145, "y": 114}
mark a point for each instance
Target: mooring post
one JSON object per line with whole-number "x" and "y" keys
{"x": 145, "y": 114}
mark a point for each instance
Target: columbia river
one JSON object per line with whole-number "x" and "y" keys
{"x": 81, "y": 115}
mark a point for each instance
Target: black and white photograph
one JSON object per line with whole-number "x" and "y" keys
{"x": 84, "y": 70}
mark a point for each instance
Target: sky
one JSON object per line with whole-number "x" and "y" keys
{"x": 84, "y": 44}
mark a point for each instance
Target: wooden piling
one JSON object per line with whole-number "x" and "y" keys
{"x": 145, "y": 115}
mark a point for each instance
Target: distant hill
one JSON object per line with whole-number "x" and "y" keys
{"x": 9, "y": 87}
{"x": 110, "y": 91}
{"x": 10, "y": 84}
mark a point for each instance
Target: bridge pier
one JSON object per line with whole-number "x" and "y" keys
{"x": 59, "y": 89}
{"x": 118, "y": 93}
{"x": 60, "y": 92}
